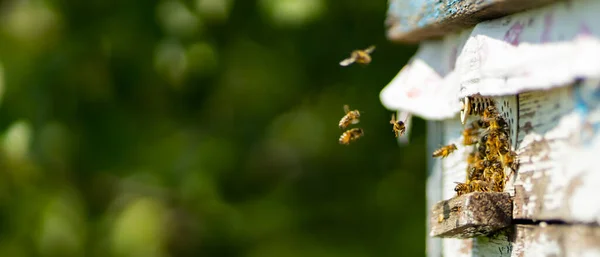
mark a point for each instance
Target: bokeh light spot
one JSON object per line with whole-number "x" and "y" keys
{"x": 177, "y": 20}
{"x": 292, "y": 13}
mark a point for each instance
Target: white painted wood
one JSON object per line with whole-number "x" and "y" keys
{"x": 434, "y": 181}
{"x": 539, "y": 49}
{"x": 559, "y": 146}
{"x": 556, "y": 240}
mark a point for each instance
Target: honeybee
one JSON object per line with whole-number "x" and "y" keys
{"x": 444, "y": 151}
{"x": 399, "y": 126}
{"x": 490, "y": 170}
{"x": 493, "y": 120}
{"x": 462, "y": 188}
{"x": 351, "y": 117}
{"x": 511, "y": 160}
{"x": 351, "y": 135}
{"x": 359, "y": 56}
{"x": 497, "y": 180}
{"x": 474, "y": 174}
{"x": 479, "y": 186}
{"x": 502, "y": 144}
{"x": 470, "y": 140}
{"x": 472, "y": 158}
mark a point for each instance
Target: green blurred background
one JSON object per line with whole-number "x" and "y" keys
{"x": 202, "y": 128}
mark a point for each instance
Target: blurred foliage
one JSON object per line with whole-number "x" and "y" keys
{"x": 201, "y": 128}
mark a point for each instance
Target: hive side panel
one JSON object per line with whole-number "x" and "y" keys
{"x": 556, "y": 240}
{"x": 558, "y": 146}
{"x": 434, "y": 182}
{"x": 454, "y": 166}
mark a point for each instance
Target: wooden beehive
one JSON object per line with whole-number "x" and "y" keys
{"x": 542, "y": 67}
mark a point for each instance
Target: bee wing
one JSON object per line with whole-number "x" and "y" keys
{"x": 370, "y": 49}
{"x": 347, "y": 61}
{"x": 346, "y": 108}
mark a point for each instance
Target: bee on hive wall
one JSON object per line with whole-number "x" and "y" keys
{"x": 351, "y": 135}
{"x": 359, "y": 56}
{"x": 444, "y": 151}
{"x": 351, "y": 117}
{"x": 398, "y": 126}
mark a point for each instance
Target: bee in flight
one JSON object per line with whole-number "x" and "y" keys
{"x": 399, "y": 126}
{"x": 351, "y": 117}
{"x": 351, "y": 135}
{"x": 444, "y": 151}
{"x": 359, "y": 56}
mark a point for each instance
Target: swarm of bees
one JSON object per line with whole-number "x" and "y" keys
{"x": 359, "y": 56}
{"x": 491, "y": 155}
{"x": 353, "y": 116}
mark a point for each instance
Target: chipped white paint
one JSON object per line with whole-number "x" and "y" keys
{"x": 558, "y": 155}
{"x": 505, "y": 56}
{"x": 434, "y": 182}
{"x": 454, "y": 166}
{"x": 457, "y": 247}
{"x": 536, "y": 54}
{"x": 543, "y": 246}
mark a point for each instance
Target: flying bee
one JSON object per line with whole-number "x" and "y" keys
{"x": 399, "y": 126}
{"x": 351, "y": 135}
{"x": 351, "y": 117}
{"x": 462, "y": 188}
{"x": 444, "y": 151}
{"x": 359, "y": 56}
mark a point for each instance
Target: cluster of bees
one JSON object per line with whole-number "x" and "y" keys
{"x": 352, "y": 116}
{"x": 491, "y": 152}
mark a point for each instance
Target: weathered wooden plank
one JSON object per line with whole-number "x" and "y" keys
{"x": 530, "y": 240}
{"x": 536, "y": 50}
{"x": 556, "y": 240}
{"x": 455, "y": 165}
{"x": 558, "y": 148}
{"x": 471, "y": 215}
{"x": 410, "y": 21}
{"x": 434, "y": 181}
{"x": 506, "y": 56}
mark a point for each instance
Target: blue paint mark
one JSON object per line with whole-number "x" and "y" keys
{"x": 587, "y": 97}
{"x": 421, "y": 13}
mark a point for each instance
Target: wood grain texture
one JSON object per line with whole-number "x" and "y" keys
{"x": 529, "y": 240}
{"x": 556, "y": 240}
{"x": 471, "y": 215}
{"x": 410, "y": 21}
{"x": 434, "y": 181}
{"x": 558, "y": 151}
